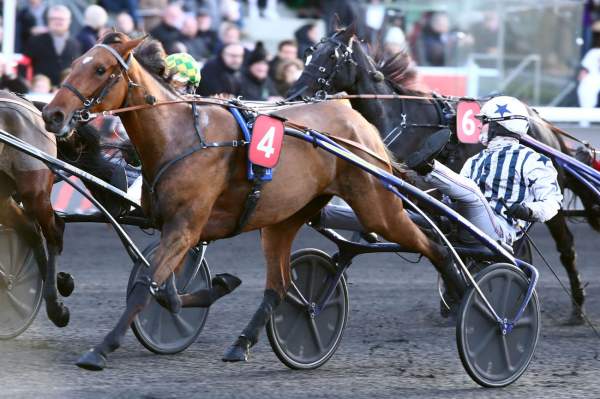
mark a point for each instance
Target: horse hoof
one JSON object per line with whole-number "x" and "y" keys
{"x": 92, "y": 360}
{"x": 576, "y": 319}
{"x": 228, "y": 281}
{"x": 238, "y": 352}
{"x": 65, "y": 284}
{"x": 61, "y": 317}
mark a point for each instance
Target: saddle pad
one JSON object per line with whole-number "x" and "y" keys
{"x": 468, "y": 127}
{"x": 267, "y": 138}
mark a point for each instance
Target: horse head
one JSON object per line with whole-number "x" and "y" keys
{"x": 98, "y": 81}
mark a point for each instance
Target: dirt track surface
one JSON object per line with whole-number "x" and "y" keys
{"x": 393, "y": 346}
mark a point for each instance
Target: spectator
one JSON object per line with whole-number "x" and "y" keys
{"x": 54, "y": 51}
{"x": 221, "y": 74}
{"x": 229, "y": 33}
{"x": 486, "y": 33}
{"x": 589, "y": 76}
{"x": 306, "y": 36}
{"x": 394, "y": 42}
{"x": 206, "y": 33}
{"x": 189, "y": 37}
{"x": 41, "y": 84}
{"x": 117, "y": 6}
{"x": 95, "y": 19}
{"x": 230, "y": 11}
{"x": 167, "y": 32}
{"x": 255, "y": 82}
{"x": 286, "y": 75}
{"x": 286, "y": 50}
{"x": 437, "y": 41}
{"x": 9, "y": 80}
{"x": 268, "y": 9}
{"x": 125, "y": 24}
{"x": 30, "y": 21}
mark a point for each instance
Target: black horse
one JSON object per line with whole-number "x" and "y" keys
{"x": 340, "y": 64}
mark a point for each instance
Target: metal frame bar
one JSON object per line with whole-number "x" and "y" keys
{"x": 401, "y": 188}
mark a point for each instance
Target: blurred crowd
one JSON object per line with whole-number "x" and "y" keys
{"x": 214, "y": 33}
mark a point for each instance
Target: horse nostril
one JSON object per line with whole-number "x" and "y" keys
{"x": 57, "y": 117}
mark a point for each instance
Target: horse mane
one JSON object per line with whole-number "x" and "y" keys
{"x": 400, "y": 71}
{"x": 151, "y": 56}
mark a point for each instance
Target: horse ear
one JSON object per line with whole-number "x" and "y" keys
{"x": 336, "y": 23}
{"x": 351, "y": 30}
{"x": 125, "y": 48}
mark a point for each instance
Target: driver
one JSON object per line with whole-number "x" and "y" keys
{"x": 506, "y": 184}
{"x": 185, "y": 72}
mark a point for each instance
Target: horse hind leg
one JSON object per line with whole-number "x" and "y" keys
{"x": 384, "y": 215}
{"x": 566, "y": 247}
{"x": 276, "y": 241}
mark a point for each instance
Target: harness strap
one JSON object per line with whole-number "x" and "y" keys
{"x": 251, "y": 202}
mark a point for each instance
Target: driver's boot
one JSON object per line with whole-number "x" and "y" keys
{"x": 421, "y": 161}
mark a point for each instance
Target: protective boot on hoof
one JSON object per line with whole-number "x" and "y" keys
{"x": 456, "y": 287}
{"x": 92, "y": 360}
{"x": 239, "y": 351}
{"x": 167, "y": 296}
{"x": 65, "y": 284}
{"x": 59, "y": 315}
{"x": 227, "y": 281}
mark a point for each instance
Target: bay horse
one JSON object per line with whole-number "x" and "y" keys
{"x": 199, "y": 196}
{"x": 341, "y": 64}
{"x": 29, "y": 181}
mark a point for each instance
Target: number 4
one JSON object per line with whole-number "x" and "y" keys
{"x": 266, "y": 143}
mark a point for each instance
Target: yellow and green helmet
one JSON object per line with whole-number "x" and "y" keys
{"x": 184, "y": 67}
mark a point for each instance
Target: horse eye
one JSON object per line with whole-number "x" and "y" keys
{"x": 100, "y": 70}
{"x": 333, "y": 56}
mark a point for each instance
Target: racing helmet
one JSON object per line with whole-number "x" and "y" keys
{"x": 507, "y": 113}
{"x": 184, "y": 67}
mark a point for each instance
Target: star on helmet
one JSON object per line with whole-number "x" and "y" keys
{"x": 502, "y": 109}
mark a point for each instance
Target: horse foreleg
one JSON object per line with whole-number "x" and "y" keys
{"x": 177, "y": 238}
{"x": 36, "y": 201}
{"x": 276, "y": 241}
{"x": 566, "y": 247}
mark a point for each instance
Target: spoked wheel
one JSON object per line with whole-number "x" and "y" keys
{"x": 299, "y": 340}
{"x": 20, "y": 285}
{"x": 491, "y": 358}
{"x": 161, "y": 331}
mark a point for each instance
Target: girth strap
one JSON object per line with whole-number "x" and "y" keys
{"x": 251, "y": 200}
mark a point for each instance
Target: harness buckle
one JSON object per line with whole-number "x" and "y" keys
{"x": 403, "y": 123}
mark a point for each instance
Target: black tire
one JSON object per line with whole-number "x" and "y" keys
{"x": 159, "y": 330}
{"x": 522, "y": 250}
{"x": 21, "y": 289}
{"x": 491, "y": 358}
{"x": 314, "y": 340}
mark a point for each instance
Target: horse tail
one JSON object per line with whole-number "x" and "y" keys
{"x": 587, "y": 197}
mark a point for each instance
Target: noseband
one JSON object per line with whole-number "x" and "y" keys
{"x": 83, "y": 114}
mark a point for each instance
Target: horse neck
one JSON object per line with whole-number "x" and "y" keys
{"x": 151, "y": 130}
{"x": 381, "y": 113}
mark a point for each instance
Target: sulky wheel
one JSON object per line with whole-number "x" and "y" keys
{"x": 161, "y": 331}
{"x": 20, "y": 285}
{"x": 491, "y": 358}
{"x": 299, "y": 340}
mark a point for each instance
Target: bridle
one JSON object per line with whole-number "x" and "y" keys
{"x": 83, "y": 114}
{"x": 342, "y": 55}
